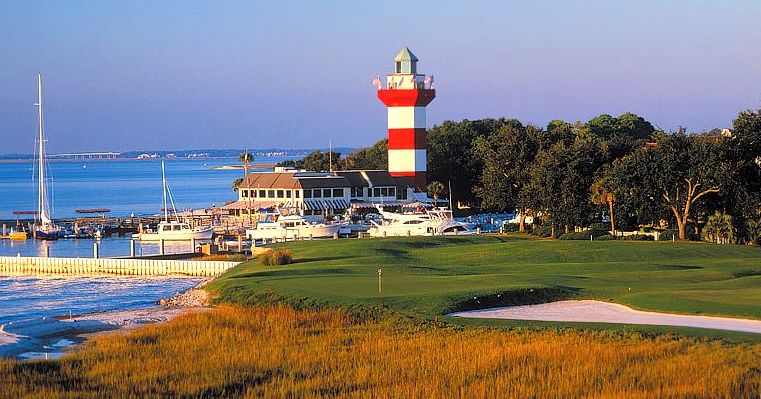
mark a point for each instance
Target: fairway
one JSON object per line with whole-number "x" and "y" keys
{"x": 432, "y": 276}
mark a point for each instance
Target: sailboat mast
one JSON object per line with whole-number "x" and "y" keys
{"x": 163, "y": 182}
{"x": 42, "y": 209}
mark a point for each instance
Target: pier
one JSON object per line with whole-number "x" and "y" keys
{"x": 112, "y": 266}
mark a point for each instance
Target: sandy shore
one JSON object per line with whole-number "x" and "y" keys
{"x": 42, "y": 337}
{"x": 604, "y": 312}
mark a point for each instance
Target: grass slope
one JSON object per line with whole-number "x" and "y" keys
{"x": 430, "y": 276}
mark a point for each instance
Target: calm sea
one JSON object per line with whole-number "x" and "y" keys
{"x": 124, "y": 187}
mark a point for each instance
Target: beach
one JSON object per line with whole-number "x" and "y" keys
{"x": 50, "y": 337}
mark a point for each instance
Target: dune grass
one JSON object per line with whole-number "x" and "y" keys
{"x": 276, "y": 351}
{"x": 431, "y": 276}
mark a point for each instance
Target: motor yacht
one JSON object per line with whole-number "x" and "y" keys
{"x": 291, "y": 227}
{"x": 418, "y": 223}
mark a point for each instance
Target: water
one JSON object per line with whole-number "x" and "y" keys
{"x": 124, "y": 186}
{"x": 83, "y": 248}
{"x": 24, "y": 298}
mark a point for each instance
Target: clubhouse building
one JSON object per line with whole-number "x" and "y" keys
{"x": 320, "y": 193}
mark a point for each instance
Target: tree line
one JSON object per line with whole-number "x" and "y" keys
{"x": 620, "y": 171}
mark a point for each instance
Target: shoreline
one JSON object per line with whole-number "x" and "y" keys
{"x": 53, "y": 337}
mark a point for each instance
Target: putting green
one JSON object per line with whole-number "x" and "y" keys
{"x": 429, "y": 276}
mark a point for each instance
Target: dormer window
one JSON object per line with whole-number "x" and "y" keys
{"x": 398, "y": 67}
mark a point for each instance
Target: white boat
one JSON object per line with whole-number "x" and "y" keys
{"x": 174, "y": 230}
{"x": 45, "y": 229}
{"x": 291, "y": 227}
{"x": 419, "y": 223}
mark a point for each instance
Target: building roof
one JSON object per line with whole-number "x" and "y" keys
{"x": 380, "y": 178}
{"x": 293, "y": 180}
{"x": 354, "y": 177}
{"x": 405, "y": 55}
{"x": 402, "y": 181}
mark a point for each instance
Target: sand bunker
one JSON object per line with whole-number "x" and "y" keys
{"x": 604, "y": 312}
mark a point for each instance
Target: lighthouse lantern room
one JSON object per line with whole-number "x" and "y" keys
{"x": 406, "y": 94}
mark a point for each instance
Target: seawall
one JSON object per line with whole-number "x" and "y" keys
{"x": 123, "y": 267}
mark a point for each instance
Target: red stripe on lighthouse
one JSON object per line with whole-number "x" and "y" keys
{"x": 416, "y": 178}
{"x": 406, "y": 139}
{"x": 406, "y": 97}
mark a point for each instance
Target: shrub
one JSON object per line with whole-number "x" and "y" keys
{"x": 637, "y": 237}
{"x": 583, "y": 235}
{"x": 667, "y": 235}
{"x": 542, "y": 231}
{"x": 600, "y": 227}
{"x": 511, "y": 227}
{"x": 606, "y": 237}
{"x": 276, "y": 257}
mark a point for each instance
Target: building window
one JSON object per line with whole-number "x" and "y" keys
{"x": 401, "y": 194}
{"x": 280, "y": 194}
{"x": 244, "y": 193}
{"x": 384, "y": 191}
{"x": 297, "y": 193}
{"x": 253, "y": 193}
{"x": 392, "y": 191}
{"x": 398, "y": 67}
{"x": 287, "y": 193}
{"x": 338, "y": 192}
{"x": 326, "y": 193}
{"x": 317, "y": 193}
{"x": 262, "y": 194}
{"x": 376, "y": 192}
{"x": 270, "y": 193}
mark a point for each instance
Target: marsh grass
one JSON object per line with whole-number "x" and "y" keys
{"x": 277, "y": 351}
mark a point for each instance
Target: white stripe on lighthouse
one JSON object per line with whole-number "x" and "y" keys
{"x": 406, "y": 160}
{"x": 406, "y": 117}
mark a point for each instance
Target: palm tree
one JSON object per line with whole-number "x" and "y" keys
{"x": 602, "y": 195}
{"x": 236, "y": 183}
{"x": 245, "y": 158}
{"x": 435, "y": 188}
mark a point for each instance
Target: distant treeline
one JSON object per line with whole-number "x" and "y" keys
{"x": 619, "y": 171}
{"x": 211, "y": 153}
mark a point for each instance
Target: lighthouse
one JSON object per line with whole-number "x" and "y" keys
{"x": 406, "y": 94}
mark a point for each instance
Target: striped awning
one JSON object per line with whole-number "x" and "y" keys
{"x": 373, "y": 205}
{"x": 324, "y": 204}
{"x": 250, "y": 205}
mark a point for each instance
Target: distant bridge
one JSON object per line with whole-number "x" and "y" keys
{"x": 85, "y": 155}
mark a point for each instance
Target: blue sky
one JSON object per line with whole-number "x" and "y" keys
{"x": 194, "y": 74}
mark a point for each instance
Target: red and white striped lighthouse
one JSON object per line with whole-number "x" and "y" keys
{"x": 406, "y": 95}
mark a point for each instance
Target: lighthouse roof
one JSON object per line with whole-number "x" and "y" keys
{"x": 405, "y": 55}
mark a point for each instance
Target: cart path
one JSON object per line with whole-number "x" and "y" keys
{"x": 603, "y": 312}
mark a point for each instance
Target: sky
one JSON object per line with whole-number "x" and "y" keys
{"x": 131, "y": 75}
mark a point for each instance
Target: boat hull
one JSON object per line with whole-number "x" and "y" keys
{"x": 204, "y": 234}
{"x": 300, "y": 232}
{"x": 46, "y": 235}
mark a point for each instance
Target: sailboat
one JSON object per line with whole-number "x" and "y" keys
{"x": 174, "y": 230}
{"x": 45, "y": 229}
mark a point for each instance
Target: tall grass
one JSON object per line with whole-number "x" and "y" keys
{"x": 276, "y": 351}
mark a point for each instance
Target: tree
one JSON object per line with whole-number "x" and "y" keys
{"x": 559, "y": 183}
{"x": 602, "y": 194}
{"x": 435, "y": 188}
{"x": 719, "y": 228}
{"x": 245, "y": 158}
{"x": 506, "y": 155}
{"x": 451, "y": 154}
{"x": 374, "y": 157}
{"x": 674, "y": 177}
{"x": 236, "y": 183}
{"x": 316, "y": 161}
